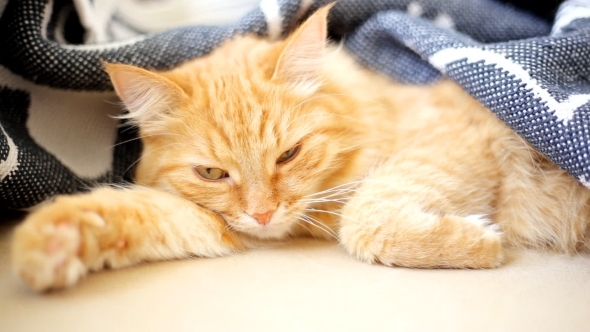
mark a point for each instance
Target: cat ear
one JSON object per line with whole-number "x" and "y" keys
{"x": 301, "y": 59}
{"x": 148, "y": 96}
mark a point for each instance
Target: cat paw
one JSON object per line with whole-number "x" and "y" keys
{"x": 449, "y": 242}
{"x": 482, "y": 242}
{"x": 47, "y": 246}
{"x": 487, "y": 224}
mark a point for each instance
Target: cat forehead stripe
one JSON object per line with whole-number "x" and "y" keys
{"x": 564, "y": 111}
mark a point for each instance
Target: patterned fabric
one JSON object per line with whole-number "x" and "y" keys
{"x": 56, "y": 135}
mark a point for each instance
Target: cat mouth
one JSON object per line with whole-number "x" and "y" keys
{"x": 278, "y": 228}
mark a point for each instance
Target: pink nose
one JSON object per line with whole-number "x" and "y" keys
{"x": 263, "y": 218}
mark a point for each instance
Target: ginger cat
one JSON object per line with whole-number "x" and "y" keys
{"x": 267, "y": 140}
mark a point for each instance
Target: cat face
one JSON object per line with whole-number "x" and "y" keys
{"x": 247, "y": 132}
{"x": 251, "y": 157}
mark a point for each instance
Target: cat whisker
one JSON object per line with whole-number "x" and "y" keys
{"x": 302, "y": 224}
{"x": 123, "y": 186}
{"x": 342, "y": 201}
{"x": 338, "y": 200}
{"x": 331, "y": 192}
{"x": 87, "y": 186}
{"x": 227, "y": 228}
{"x": 338, "y": 187}
{"x": 319, "y": 222}
{"x": 310, "y": 209}
{"x": 139, "y": 138}
{"x": 316, "y": 223}
{"x": 337, "y": 197}
{"x": 127, "y": 141}
{"x": 323, "y": 229}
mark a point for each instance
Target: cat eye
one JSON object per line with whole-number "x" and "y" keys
{"x": 209, "y": 173}
{"x": 288, "y": 155}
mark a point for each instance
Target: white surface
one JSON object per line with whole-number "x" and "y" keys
{"x": 307, "y": 285}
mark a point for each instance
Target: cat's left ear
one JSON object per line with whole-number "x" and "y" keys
{"x": 302, "y": 57}
{"x": 148, "y": 96}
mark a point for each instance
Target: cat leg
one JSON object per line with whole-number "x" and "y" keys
{"x": 396, "y": 221}
{"x": 61, "y": 242}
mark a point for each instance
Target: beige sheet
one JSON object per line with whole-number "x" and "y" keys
{"x": 307, "y": 285}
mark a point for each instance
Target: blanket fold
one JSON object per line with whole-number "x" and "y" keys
{"x": 57, "y": 136}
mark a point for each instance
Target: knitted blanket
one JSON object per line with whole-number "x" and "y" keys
{"x": 56, "y": 135}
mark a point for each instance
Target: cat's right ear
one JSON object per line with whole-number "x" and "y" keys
{"x": 148, "y": 96}
{"x": 302, "y": 57}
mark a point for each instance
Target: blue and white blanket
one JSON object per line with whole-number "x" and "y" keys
{"x": 56, "y": 136}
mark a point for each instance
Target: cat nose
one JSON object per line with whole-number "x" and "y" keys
{"x": 263, "y": 218}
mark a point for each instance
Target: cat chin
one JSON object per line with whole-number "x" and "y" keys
{"x": 269, "y": 232}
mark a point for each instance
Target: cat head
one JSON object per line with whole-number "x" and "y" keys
{"x": 248, "y": 131}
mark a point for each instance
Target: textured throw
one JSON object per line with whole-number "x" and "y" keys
{"x": 57, "y": 134}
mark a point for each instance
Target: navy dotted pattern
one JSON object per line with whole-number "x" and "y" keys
{"x": 379, "y": 33}
{"x": 484, "y": 20}
{"x": 39, "y": 175}
{"x": 558, "y": 65}
{"x": 46, "y": 62}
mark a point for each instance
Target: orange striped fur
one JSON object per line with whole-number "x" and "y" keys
{"x": 416, "y": 176}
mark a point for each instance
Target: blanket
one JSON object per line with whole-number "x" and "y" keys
{"x": 58, "y": 136}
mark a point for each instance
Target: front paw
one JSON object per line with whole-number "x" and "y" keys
{"x": 47, "y": 246}
{"x": 431, "y": 242}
